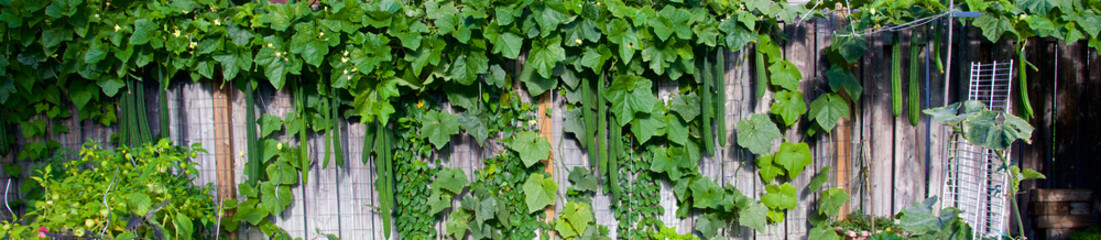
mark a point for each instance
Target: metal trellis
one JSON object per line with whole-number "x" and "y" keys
{"x": 975, "y": 183}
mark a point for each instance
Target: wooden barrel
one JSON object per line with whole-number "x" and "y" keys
{"x": 1058, "y": 212}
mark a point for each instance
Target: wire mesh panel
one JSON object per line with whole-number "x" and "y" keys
{"x": 975, "y": 182}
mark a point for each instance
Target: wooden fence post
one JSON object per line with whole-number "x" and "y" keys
{"x": 223, "y": 136}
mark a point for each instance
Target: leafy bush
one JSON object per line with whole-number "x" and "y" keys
{"x": 1092, "y": 233}
{"x": 148, "y": 193}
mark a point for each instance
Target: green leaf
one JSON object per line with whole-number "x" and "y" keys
{"x": 768, "y": 169}
{"x": 474, "y": 126}
{"x": 539, "y": 192}
{"x": 662, "y": 163}
{"x": 438, "y": 202}
{"x": 466, "y": 68}
{"x": 583, "y": 180}
{"x": 789, "y": 106}
{"x": 184, "y": 226}
{"x": 994, "y": 27}
{"x": 709, "y": 224}
{"x": 843, "y": 80}
{"x": 672, "y": 20}
{"x": 438, "y": 127}
{"x": 996, "y": 130}
{"x": 736, "y": 36}
{"x": 785, "y": 75}
{"x": 919, "y": 217}
{"x": 647, "y": 125}
{"x": 269, "y": 124}
{"x": 953, "y": 114}
{"x": 818, "y": 180}
{"x": 686, "y": 106}
{"x": 794, "y": 157}
{"x": 535, "y": 83}
{"x": 450, "y": 179}
{"x": 706, "y": 193}
{"x": 458, "y": 224}
{"x": 753, "y": 215}
{"x": 143, "y": 31}
{"x": 621, "y": 33}
{"x": 827, "y": 110}
{"x": 630, "y": 94}
{"x": 545, "y": 54}
{"x": 823, "y": 232}
{"x": 831, "y": 201}
{"x": 578, "y": 215}
{"x": 676, "y": 129}
{"x": 756, "y": 133}
{"x": 779, "y": 196}
{"x": 564, "y": 229}
{"x": 531, "y": 147}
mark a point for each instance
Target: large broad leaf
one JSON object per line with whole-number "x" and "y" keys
{"x": 736, "y": 36}
{"x": 955, "y": 112}
{"x": 831, "y": 201}
{"x": 143, "y": 31}
{"x": 779, "y": 196}
{"x": 919, "y": 217}
{"x": 789, "y": 106}
{"x": 676, "y": 129}
{"x": 539, "y": 192}
{"x": 996, "y": 130}
{"x": 438, "y": 201}
{"x": 269, "y": 124}
{"x": 579, "y": 215}
{"x": 663, "y": 163}
{"x": 753, "y": 215}
{"x": 851, "y": 49}
{"x": 621, "y": 33}
{"x": 630, "y": 94}
{"x": 827, "y": 110}
{"x": 709, "y": 224}
{"x": 672, "y": 20}
{"x": 647, "y": 125}
{"x": 793, "y": 157}
{"x": 686, "y": 106}
{"x": 841, "y": 79}
{"x": 785, "y": 75}
{"x": 768, "y": 169}
{"x": 823, "y": 232}
{"x": 438, "y": 127}
{"x": 474, "y": 125}
{"x": 450, "y": 179}
{"x": 545, "y": 54}
{"x": 458, "y": 223}
{"x": 535, "y": 83}
{"x": 756, "y": 133}
{"x": 531, "y": 147}
{"x": 583, "y": 179}
{"x": 994, "y": 27}
{"x": 706, "y": 193}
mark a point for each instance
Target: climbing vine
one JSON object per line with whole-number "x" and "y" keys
{"x": 419, "y": 72}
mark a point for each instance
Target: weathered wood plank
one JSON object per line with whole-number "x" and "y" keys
{"x": 880, "y": 126}
{"x": 909, "y": 168}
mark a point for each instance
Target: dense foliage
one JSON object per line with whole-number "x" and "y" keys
{"x": 125, "y": 193}
{"x": 420, "y": 72}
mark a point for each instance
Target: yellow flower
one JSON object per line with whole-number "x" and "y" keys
{"x": 117, "y": 28}
{"x": 279, "y": 146}
{"x": 531, "y": 122}
{"x": 420, "y": 104}
{"x": 889, "y": 229}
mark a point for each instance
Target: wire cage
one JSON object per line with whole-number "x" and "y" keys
{"x": 975, "y": 182}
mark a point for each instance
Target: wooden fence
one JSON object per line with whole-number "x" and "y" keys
{"x": 885, "y": 162}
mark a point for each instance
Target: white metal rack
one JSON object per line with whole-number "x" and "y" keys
{"x": 975, "y": 181}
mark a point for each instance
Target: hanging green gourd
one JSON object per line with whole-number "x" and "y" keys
{"x": 303, "y": 138}
{"x": 703, "y": 72}
{"x": 896, "y": 76}
{"x": 720, "y": 94}
{"x": 602, "y": 126}
{"x": 762, "y": 76}
{"x": 252, "y": 166}
{"x": 1022, "y": 85}
{"x": 913, "y": 111}
{"x": 337, "y": 134}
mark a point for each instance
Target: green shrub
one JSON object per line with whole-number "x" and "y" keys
{"x": 149, "y": 195}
